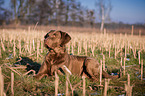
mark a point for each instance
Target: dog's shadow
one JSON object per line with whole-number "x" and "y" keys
{"x": 29, "y": 63}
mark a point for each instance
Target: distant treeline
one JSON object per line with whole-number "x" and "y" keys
{"x": 52, "y": 12}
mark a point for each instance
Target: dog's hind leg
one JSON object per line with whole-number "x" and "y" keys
{"x": 91, "y": 69}
{"x": 106, "y": 75}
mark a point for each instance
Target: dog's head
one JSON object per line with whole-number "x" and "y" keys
{"x": 55, "y": 39}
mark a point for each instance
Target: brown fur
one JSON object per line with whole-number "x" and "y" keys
{"x": 57, "y": 57}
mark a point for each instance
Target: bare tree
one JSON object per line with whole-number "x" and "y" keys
{"x": 73, "y": 12}
{"x": 14, "y": 6}
{"x": 67, "y": 11}
{"x": 104, "y": 8}
{"x": 90, "y": 17}
{"x": 19, "y": 10}
{"x": 58, "y": 12}
{"x": 1, "y": 2}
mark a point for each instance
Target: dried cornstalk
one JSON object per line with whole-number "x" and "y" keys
{"x": 21, "y": 67}
{"x": 125, "y": 51}
{"x": 128, "y": 47}
{"x": 0, "y": 53}
{"x": 109, "y": 50}
{"x": 115, "y": 51}
{"x": 121, "y": 67}
{"x": 68, "y": 72}
{"x": 84, "y": 85}
{"x": 38, "y": 44}
{"x": 92, "y": 49}
{"x": 12, "y": 83}
{"x": 7, "y": 87}
{"x": 101, "y": 73}
{"x": 29, "y": 72}
{"x": 106, "y": 87}
{"x": 134, "y": 52}
{"x": 1, "y": 83}
{"x": 66, "y": 90}
{"x": 142, "y": 69}
{"x": 68, "y": 81}
{"x": 56, "y": 83}
{"x": 33, "y": 45}
{"x": 128, "y": 88}
{"x": 27, "y": 46}
{"x": 143, "y": 46}
{"x": 11, "y": 38}
{"x": 100, "y": 48}
{"x": 13, "y": 70}
{"x": 30, "y": 48}
{"x": 86, "y": 48}
{"x": 3, "y": 47}
{"x": 128, "y": 79}
{"x": 104, "y": 62}
{"x": 139, "y": 56}
{"x": 20, "y": 47}
{"x": 124, "y": 67}
{"x": 73, "y": 88}
{"x": 114, "y": 41}
{"x": 72, "y": 49}
{"x": 41, "y": 46}
{"x": 14, "y": 48}
{"x": 79, "y": 48}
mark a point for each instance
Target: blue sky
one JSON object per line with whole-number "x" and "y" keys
{"x": 127, "y": 11}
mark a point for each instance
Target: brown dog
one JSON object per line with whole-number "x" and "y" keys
{"x": 57, "y": 57}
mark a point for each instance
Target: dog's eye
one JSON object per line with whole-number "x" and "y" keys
{"x": 54, "y": 35}
{"x": 45, "y": 36}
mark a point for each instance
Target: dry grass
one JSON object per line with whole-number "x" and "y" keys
{"x": 109, "y": 48}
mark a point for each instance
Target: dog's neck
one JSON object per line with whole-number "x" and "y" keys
{"x": 58, "y": 50}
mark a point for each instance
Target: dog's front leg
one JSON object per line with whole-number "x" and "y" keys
{"x": 42, "y": 71}
{"x": 57, "y": 65}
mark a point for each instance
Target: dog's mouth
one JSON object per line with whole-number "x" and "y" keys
{"x": 47, "y": 47}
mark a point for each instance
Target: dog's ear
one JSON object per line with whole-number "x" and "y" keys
{"x": 46, "y": 36}
{"x": 65, "y": 38}
{"x": 48, "y": 33}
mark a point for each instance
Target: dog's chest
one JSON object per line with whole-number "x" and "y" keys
{"x": 52, "y": 58}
